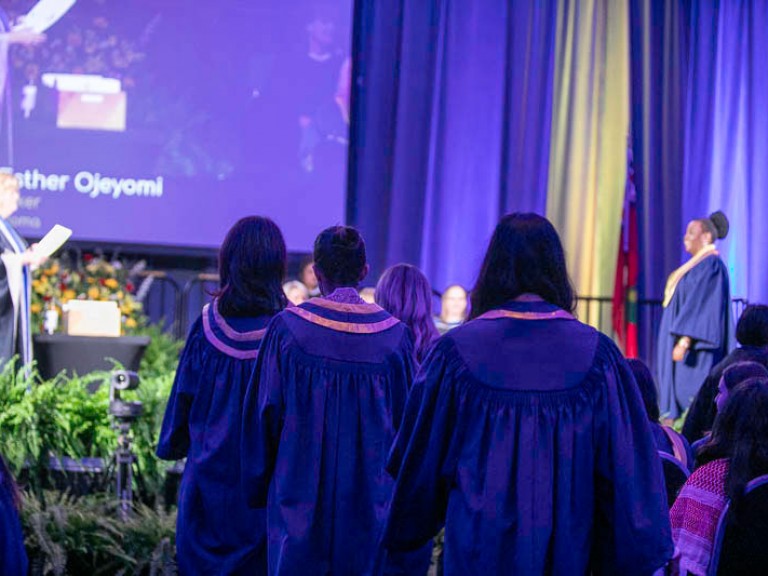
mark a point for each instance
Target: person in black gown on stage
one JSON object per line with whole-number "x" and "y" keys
{"x": 16, "y": 263}
{"x": 216, "y": 532}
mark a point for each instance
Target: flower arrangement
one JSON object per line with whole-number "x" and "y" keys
{"x": 56, "y": 283}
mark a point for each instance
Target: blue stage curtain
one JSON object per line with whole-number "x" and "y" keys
{"x": 659, "y": 59}
{"x": 726, "y": 155}
{"x": 452, "y": 105}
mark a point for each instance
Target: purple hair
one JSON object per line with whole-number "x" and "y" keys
{"x": 404, "y": 292}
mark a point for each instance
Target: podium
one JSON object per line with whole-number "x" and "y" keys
{"x": 84, "y": 354}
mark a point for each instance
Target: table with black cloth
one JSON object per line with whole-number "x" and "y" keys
{"x": 83, "y": 354}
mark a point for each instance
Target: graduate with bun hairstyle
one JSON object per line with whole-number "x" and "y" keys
{"x": 696, "y": 326}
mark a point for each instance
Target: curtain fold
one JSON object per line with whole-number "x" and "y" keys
{"x": 659, "y": 82}
{"x": 587, "y": 171}
{"x": 452, "y": 105}
{"x": 726, "y": 156}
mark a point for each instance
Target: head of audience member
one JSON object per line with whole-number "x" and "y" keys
{"x": 252, "y": 266}
{"x": 9, "y": 194}
{"x": 647, "y": 387}
{"x": 525, "y": 256}
{"x": 321, "y": 29}
{"x": 339, "y": 259}
{"x": 702, "y": 232}
{"x": 404, "y": 292}
{"x": 368, "y": 294}
{"x": 752, "y": 327}
{"x": 734, "y": 375}
{"x": 740, "y": 434}
{"x": 453, "y": 305}
{"x": 296, "y": 292}
{"x": 307, "y": 274}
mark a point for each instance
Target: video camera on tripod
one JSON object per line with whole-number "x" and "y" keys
{"x": 122, "y": 410}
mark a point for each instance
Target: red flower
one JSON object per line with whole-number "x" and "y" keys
{"x": 129, "y": 286}
{"x": 87, "y": 258}
{"x": 103, "y": 281}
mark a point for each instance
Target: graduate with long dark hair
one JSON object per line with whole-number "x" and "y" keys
{"x": 321, "y": 411}
{"x": 216, "y": 532}
{"x": 525, "y": 434}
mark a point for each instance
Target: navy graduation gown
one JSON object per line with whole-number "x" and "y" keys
{"x": 216, "y": 532}
{"x": 320, "y": 415}
{"x": 528, "y": 439}
{"x": 13, "y": 556}
{"x": 701, "y": 309}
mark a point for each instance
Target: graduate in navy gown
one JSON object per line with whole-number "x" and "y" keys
{"x": 696, "y": 329}
{"x": 216, "y": 532}
{"x": 525, "y": 434}
{"x": 320, "y": 415}
{"x": 13, "y": 557}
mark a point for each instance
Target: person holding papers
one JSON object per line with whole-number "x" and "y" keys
{"x": 16, "y": 262}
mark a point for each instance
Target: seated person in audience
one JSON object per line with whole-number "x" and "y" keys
{"x": 453, "y": 308}
{"x": 404, "y": 292}
{"x": 308, "y": 278}
{"x": 752, "y": 335}
{"x": 525, "y": 435}
{"x": 216, "y": 532}
{"x": 667, "y": 439}
{"x": 368, "y": 294}
{"x": 296, "y": 292}
{"x": 321, "y": 410}
{"x": 732, "y": 376}
{"x": 13, "y": 556}
{"x": 736, "y": 453}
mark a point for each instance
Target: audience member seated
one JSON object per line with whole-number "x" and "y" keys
{"x": 296, "y": 292}
{"x": 743, "y": 548}
{"x": 736, "y": 453}
{"x": 667, "y": 439}
{"x": 752, "y": 335}
{"x": 308, "y": 278}
{"x": 732, "y": 376}
{"x": 13, "y": 557}
{"x": 524, "y": 434}
{"x": 216, "y": 532}
{"x": 453, "y": 309}
{"x": 404, "y": 292}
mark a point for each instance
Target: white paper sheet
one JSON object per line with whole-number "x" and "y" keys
{"x": 53, "y": 240}
{"x": 44, "y": 14}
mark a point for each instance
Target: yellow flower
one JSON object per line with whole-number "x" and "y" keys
{"x": 111, "y": 283}
{"x": 51, "y": 270}
{"x": 69, "y": 294}
{"x": 130, "y": 323}
{"x": 120, "y": 295}
{"x": 93, "y": 293}
{"x": 35, "y": 308}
